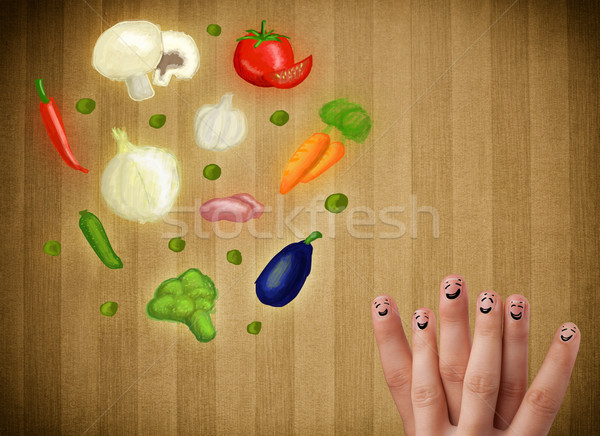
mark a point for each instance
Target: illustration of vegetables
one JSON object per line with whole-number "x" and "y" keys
{"x": 211, "y": 172}
{"x": 109, "y": 308}
{"x": 129, "y": 50}
{"x": 140, "y": 183}
{"x": 234, "y": 257}
{"x": 157, "y": 120}
{"x": 283, "y": 277}
{"x": 303, "y": 160}
{"x": 55, "y": 128}
{"x": 176, "y": 244}
{"x": 93, "y": 230}
{"x": 266, "y": 59}
{"x": 336, "y": 203}
{"x": 219, "y": 127}
{"x": 180, "y": 58}
{"x": 279, "y": 118}
{"x": 189, "y": 299}
{"x": 52, "y": 248}
{"x": 213, "y": 29}
{"x": 318, "y": 153}
{"x": 237, "y": 208}
{"x": 254, "y": 327}
{"x": 85, "y": 106}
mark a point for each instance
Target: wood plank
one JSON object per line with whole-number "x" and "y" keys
{"x": 549, "y": 142}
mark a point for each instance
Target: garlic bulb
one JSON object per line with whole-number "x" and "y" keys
{"x": 140, "y": 183}
{"x": 219, "y": 127}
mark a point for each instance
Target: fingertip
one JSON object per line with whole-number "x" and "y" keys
{"x": 382, "y": 308}
{"x": 423, "y": 319}
{"x": 516, "y": 308}
{"x": 568, "y": 333}
{"x": 452, "y": 288}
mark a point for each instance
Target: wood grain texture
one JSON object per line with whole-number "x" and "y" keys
{"x": 486, "y": 120}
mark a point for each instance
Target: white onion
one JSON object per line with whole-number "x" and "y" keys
{"x": 140, "y": 183}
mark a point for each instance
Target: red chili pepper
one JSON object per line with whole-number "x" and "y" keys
{"x": 55, "y": 128}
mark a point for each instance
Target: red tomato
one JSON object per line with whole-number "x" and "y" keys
{"x": 292, "y": 76}
{"x": 259, "y": 54}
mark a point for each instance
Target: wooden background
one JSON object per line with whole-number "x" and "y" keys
{"x": 487, "y": 111}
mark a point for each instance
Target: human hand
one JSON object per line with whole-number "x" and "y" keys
{"x": 486, "y": 380}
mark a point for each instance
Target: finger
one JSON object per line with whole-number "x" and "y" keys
{"x": 482, "y": 379}
{"x": 395, "y": 355}
{"x": 455, "y": 340}
{"x": 428, "y": 399}
{"x": 513, "y": 381}
{"x": 543, "y": 399}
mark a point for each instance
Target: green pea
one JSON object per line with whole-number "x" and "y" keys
{"x": 212, "y": 171}
{"x": 336, "y": 203}
{"x": 176, "y": 244}
{"x": 213, "y": 29}
{"x": 52, "y": 248}
{"x": 254, "y": 327}
{"x": 85, "y": 106}
{"x": 109, "y": 308}
{"x": 279, "y": 118}
{"x": 157, "y": 120}
{"x": 234, "y": 257}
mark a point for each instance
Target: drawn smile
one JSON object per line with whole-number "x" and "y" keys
{"x": 517, "y": 316}
{"x": 566, "y": 338}
{"x": 487, "y": 297}
{"x": 379, "y": 303}
{"x": 485, "y": 309}
{"x": 458, "y": 284}
{"x": 421, "y": 325}
{"x": 453, "y": 296}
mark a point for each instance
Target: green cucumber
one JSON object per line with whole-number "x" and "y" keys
{"x": 93, "y": 230}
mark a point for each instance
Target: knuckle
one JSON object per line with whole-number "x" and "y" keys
{"x": 425, "y": 396}
{"x": 452, "y": 373}
{"x": 482, "y": 384}
{"x": 398, "y": 380}
{"x": 542, "y": 403}
{"x": 513, "y": 390}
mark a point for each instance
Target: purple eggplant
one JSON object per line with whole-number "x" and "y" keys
{"x": 285, "y": 274}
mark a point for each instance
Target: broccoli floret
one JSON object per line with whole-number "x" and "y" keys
{"x": 349, "y": 118}
{"x": 190, "y": 299}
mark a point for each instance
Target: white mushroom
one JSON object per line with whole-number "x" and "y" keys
{"x": 128, "y": 51}
{"x": 180, "y": 58}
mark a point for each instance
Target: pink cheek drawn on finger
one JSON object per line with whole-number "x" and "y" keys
{"x": 453, "y": 288}
{"x": 421, "y": 319}
{"x": 487, "y": 301}
{"x": 516, "y": 309}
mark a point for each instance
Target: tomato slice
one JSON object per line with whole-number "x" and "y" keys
{"x": 290, "y": 77}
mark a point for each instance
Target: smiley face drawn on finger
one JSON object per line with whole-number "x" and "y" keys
{"x": 422, "y": 319}
{"x": 567, "y": 333}
{"x": 380, "y": 305}
{"x": 452, "y": 288}
{"x": 516, "y": 309}
{"x": 487, "y": 302}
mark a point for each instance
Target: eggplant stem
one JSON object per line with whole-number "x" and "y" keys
{"x": 312, "y": 237}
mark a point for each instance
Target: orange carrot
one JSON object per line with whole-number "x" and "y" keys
{"x": 303, "y": 160}
{"x": 334, "y": 153}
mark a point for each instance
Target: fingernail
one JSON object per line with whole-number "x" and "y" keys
{"x": 486, "y": 302}
{"x": 452, "y": 286}
{"x": 420, "y": 319}
{"x": 517, "y": 308}
{"x": 382, "y": 306}
{"x": 568, "y": 331}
